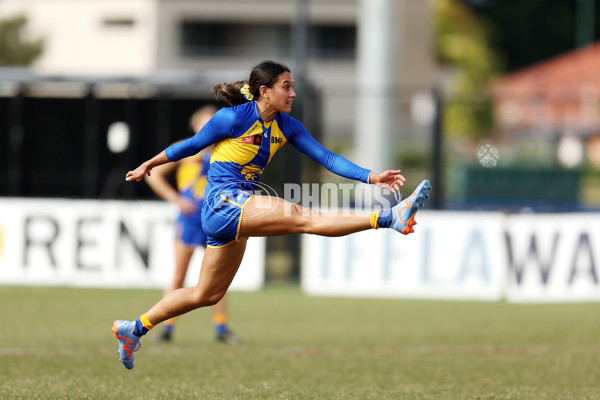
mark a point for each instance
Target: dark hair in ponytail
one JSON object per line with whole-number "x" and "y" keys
{"x": 231, "y": 92}
{"x": 265, "y": 73}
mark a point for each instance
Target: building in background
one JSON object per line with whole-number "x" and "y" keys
{"x": 559, "y": 99}
{"x": 223, "y": 39}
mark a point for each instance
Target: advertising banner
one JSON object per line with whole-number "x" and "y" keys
{"x": 451, "y": 256}
{"x": 462, "y": 256}
{"x": 101, "y": 244}
{"x": 553, "y": 257}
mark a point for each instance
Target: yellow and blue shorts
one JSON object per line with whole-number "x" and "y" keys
{"x": 222, "y": 216}
{"x": 188, "y": 230}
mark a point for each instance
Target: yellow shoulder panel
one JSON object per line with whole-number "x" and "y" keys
{"x": 277, "y": 139}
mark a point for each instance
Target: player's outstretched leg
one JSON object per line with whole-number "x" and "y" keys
{"x": 128, "y": 341}
{"x": 403, "y": 213}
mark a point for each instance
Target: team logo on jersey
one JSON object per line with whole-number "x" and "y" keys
{"x": 251, "y": 172}
{"x": 254, "y": 139}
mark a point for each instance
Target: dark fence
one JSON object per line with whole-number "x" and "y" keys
{"x": 54, "y": 142}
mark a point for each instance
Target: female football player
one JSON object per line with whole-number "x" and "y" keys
{"x": 246, "y": 136}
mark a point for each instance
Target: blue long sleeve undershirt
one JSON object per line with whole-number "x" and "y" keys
{"x": 232, "y": 122}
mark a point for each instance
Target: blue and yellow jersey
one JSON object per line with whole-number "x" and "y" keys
{"x": 191, "y": 177}
{"x": 244, "y": 145}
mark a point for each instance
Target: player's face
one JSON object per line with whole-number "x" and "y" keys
{"x": 282, "y": 94}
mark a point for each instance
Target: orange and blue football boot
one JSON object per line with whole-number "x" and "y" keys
{"x": 404, "y": 212}
{"x": 128, "y": 342}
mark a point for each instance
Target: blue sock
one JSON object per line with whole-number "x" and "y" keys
{"x": 169, "y": 328}
{"x": 385, "y": 218}
{"x": 139, "y": 329}
{"x": 220, "y": 330}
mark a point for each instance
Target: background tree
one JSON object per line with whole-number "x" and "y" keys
{"x": 15, "y": 48}
{"x": 463, "y": 46}
{"x": 527, "y": 32}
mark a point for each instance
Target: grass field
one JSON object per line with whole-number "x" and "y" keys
{"x": 56, "y": 344}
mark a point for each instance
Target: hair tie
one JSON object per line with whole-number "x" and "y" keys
{"x": 246, "y": 92}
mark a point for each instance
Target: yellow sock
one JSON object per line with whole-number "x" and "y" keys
{"x": 374, "y": 217}
{"x": 146, "y": 322}
{"x": 220, "y": 319}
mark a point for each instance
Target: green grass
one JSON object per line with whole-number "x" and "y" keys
{"x": 55, "y": 343}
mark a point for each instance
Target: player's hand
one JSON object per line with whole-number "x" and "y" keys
{"x": 138, "y": 173}
{"x": 390, "y": 179}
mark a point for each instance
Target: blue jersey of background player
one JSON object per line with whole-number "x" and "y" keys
{"x": 191, "y": 183}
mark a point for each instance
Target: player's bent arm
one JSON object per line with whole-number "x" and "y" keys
{"x": 159, "y": 184}
{"x": 218, "y": 128}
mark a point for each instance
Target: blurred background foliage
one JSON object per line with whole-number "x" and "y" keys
{"x": 16, "y": 47}
{"x": 525, "y": 32}
{"x": 462, "y": 44}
